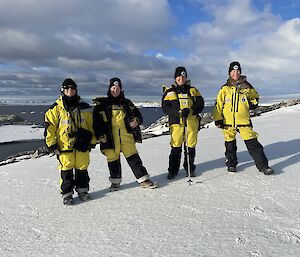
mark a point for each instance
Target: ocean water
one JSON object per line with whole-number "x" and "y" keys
{"x": 34, "y": 110}
{"x": 9, "y": 149}
{"x": 35, "y": 113}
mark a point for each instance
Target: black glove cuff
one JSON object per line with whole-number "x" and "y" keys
{"x": 52, "y": 148}
{"x": 219, "y": 123}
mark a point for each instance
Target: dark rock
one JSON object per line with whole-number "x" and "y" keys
{"x": 10, "y": 119}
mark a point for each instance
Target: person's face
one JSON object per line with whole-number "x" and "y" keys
{"x": 69, "y": 90}
{"x": 235, "y": 74}
{"x": 180, "y": 80}
{"x": 115, "y": 90}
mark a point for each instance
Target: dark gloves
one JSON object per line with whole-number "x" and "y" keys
{"x": 54, "y": 149}
{"x": 93, "y": 146}
{"x": 219, "y": 123}
{"x": 185, "y": 112}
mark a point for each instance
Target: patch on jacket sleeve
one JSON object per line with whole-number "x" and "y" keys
{"x": 64, "y": 122}
{"x": 194, "y": 92}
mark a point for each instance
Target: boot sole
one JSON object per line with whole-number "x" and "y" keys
{"x": 150, "y": 187}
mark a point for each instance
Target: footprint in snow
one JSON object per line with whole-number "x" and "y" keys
{"x": 258, "y": 209}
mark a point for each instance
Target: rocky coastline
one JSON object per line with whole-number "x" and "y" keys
{"x": 206, "y": 118}
{"x": 158, "y": 128}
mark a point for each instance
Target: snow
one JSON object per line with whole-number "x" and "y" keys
{"x": 220, "y": 214}
{"x": 10, "y": 133}
{"x": 147, "y": 104}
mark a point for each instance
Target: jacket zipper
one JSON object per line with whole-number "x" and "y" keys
{"x": 235, "y": 102}
{"x": 120, "y": 139}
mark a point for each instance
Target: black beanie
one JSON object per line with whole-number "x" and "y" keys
{"x": 180, "y": 71}
{"x": 235, "y": 66}
{"x": 68, "y": 82}
{"x": 115, "y": 82}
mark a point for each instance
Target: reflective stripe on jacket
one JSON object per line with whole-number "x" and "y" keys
{"x": 234, "y": 102}
{"x": 173, "y": 102}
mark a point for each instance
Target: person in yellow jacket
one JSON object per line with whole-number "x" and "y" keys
{"x": 182, "y": 103}
{"x": 232, "y": 114}
{"x": 116, "y": 125}
{"x": 69, "y": 134}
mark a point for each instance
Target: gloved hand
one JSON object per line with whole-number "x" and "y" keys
{"x": 93, "y": 146}
{"x": 185, "y": 112}
{"x": 103, "y": 139}
{"x": 56, "y": 152}
{"x": 54, "y": 149}
{"x": 219, "y": 123}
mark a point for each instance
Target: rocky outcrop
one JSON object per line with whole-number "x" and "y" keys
{"x": 162, "y": 125}
{"x": 26, "y": 155}
{"x": 268, "y": 108}
{"x": 10, "y": 119}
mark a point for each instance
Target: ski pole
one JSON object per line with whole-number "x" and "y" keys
{"x": 186, "y": 150}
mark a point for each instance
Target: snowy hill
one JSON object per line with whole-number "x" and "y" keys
{"x": 220, "y": 214}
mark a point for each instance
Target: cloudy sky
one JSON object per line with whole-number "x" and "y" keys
{"x": 142, "y": 41}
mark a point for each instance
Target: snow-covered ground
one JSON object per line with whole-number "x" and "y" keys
{"x": 220, "y": 214}
{"x": 10, "y": 133}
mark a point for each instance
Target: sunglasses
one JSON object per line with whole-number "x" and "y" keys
{"x": 69, "y": 87}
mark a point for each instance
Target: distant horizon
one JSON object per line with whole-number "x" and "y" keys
{"x": 43, "y": 100}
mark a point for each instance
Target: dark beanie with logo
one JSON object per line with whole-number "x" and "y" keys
{"x": 180, "y": 71}
{"x": 235, "y": 66}
{"x": 115, "y": 82}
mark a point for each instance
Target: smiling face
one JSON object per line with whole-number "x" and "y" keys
{"x": 235, "y": 74}
{"x": 69, "y": 90}
{"x": 180, "y": 80}
{"x": 115, "y": 90}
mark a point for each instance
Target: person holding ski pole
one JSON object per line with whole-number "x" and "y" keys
{"x": 182, "y": 103}
{"x": 69, "y": 134}
{"x": 116, "y": 125}
{"x": 231, "y": 113}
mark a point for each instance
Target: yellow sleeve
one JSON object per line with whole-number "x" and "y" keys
{"x": 51, "y": 126}
{"x": 253, "y": 97}
{"x": 218, "y": 110}
{"x": 194, "y": 92}
{"x": 90, "y": 128}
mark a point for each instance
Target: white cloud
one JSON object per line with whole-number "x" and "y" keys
{"x": 267, "y": 47}
{"x": 95, "y": 40}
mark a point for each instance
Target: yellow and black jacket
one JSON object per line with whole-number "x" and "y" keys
{"x": 176, "y": 98}
{"x": 62, "y": 126}
{"x": 118, "y": 112}
{"x": 233, "y": 103}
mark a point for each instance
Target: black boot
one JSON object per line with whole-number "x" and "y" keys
{"x": 192, "y": 153}
{"x": 267, "y": 171}
{"x": 230, "y": 154}
{"x": 231, "y": 169}
{"x": 174, "y": 162}
{"x": 68, "y": 200}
